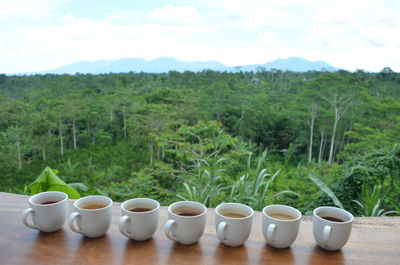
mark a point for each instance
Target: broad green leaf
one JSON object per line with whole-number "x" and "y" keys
{"x": 327, "y": 190}
{"x": 71, "y": 192}
{"x": 49, "y": 181}
{"x": 79, "y": 186}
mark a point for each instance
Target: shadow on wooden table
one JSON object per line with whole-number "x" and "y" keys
{"x": 48, "y": 247}
{"x": 320, "y": 255}
{"x": 185, "y": 254}
{"x": 140, "y": 252}
{"x": 276, "y": 255}
{"x": 231, "y": 255}
{"x": 92, "y": 249}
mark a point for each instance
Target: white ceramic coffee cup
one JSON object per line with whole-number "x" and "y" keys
{"x": 47, "y": 217}
{"x": 331, "y": 235}
{"x": 186, "y": 230}
{"x": 91, "y": 222}
{"x": 280, "y": 233}
{"x": 139, "y": 225}
{"x": 233, "y": 232}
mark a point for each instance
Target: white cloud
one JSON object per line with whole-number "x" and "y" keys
{"x": 77, "y": 39}
{"x": 269, "y": 38}
{"x": 172, "y": 13}
{"x": 347, "y": 34}
{"x": 29, "y": 9}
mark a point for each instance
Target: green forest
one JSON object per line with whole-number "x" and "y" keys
{"x": 267, "y": 137}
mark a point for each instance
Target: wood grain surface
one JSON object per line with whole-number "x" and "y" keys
{"x": 373, "y": 241}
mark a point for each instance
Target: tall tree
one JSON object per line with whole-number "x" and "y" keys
{"x": 313, "y": 114}
{"x": 340, "y": 106}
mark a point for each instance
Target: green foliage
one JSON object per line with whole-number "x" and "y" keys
{"x": 207, "y": 187}
{"x": 375, "y": 168}
{"x": 159, "y": 135}
{"x": 49, "y": 181}
{"x": 326, "y": 190}
{"x": 253, "y": 190}
{"x": 371, "y": 202}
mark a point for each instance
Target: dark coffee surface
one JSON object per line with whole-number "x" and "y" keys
{"x": 188, "y": 213}
{"x": 140, "y": 209}
{"x": 49, "y": 202}
{"x": 333, "y": 219}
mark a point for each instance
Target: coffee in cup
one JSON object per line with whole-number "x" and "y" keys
{"x": 233, "y": 223}
{"x": 92, "y": 215}
{"x": 48, "y": 210}
{"x": 187, "y": 220}
{"x": 332, "y": 227}
{"x": 139, "y": 218}
{"x": 280, "y": 225}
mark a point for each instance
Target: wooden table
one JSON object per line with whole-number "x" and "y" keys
{"x": 373, "y": 241}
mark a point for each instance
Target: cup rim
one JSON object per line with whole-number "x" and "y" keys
{"x": 48, "y": 192}
{"x": 335, "y": 209}
{"x": 283, "y": 206}
{"x": 93, "y": 196}
{"x": 190, "y": 202}
{"x": 234, "y": 204}
{"x": 139, "y": 213}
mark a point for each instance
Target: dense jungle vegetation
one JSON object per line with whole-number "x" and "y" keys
{"x": 302, "y": 139}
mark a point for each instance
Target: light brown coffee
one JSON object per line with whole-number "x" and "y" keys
{"x": 281, "y": 216}
{"x": 186, "y": 211}
{"x": 93, "y": 206}
{"x": 233, "y": 215}
{"x": 140, "y": 209}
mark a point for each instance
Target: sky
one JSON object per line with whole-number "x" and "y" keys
{"x": 40, "y": 35}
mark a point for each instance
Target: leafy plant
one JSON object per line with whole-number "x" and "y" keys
{"x": 371, "y": 202}
{"x": 49, "y": 181}
{"x": 207, "y": 185}
{"x": 326, "y": 190}
{"x": 70, "y": 169}
{"x": 253, "y": 189}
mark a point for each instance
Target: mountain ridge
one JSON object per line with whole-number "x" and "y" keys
{"x": 166, "y": 64}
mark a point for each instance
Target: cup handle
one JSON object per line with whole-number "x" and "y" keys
{"x": 122, "y": 226}
{"x": 71, "y": 225}
{"x": 167, "y": 230}
{"x": 326, "y": 234}
{"x": 25, "y": 215}
{"x": 270, "y": 234}
{"x": 221, "y": 232}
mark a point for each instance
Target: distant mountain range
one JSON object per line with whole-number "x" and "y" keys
{"x": 166, "y": 64}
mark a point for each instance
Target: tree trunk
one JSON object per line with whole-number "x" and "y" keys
{"x": 340, "y": 107}
{"x": 311, "y": 141}
{"x": 74, "y": 131}
{"x": 330, "y": 160}
{"x": 313, "y": 112}
{"x": 321, "y": 145}
{"x": 111, "y": 114}
{"x": 44, "y": 153}
{"x": 61, "y": 137}
{"x": 18, "y": 147}
{"x": 123, "y": 119}
{"x": 342, "y": 142}
{"x": 151, "y": 153}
